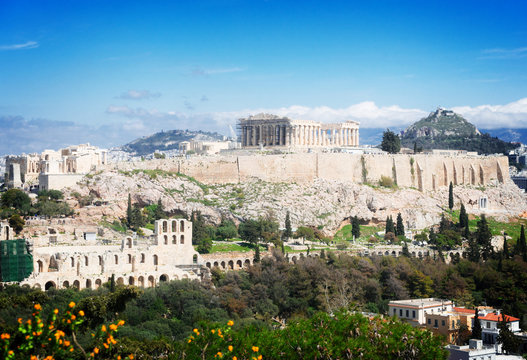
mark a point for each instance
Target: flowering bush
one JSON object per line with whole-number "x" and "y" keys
{"x": 56, "y": 337}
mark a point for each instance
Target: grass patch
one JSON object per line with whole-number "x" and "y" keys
{"x": 228, "y": 247}
{"x": 366, "y": 231}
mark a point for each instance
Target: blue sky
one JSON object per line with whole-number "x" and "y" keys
{"x": 110, "y": 71}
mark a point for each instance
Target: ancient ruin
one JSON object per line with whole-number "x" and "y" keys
{"x": 275, "y": 131}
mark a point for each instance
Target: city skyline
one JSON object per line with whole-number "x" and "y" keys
{"x": 109, "y": 72}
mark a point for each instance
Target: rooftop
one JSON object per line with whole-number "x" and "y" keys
{"x": 498, "y": 317}
{"x": 428, "y": 302}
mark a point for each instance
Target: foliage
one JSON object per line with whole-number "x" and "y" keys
{"x": 288, "y": 232}
{"x": 389, "y": 225}
{"x": 390, "y": 142}
{"x": 386, "y": 182}
{"x": 399, "y": 229}
{"x": 129, "y": 210}
{"x": 506, "y": 337}
{"x": 476, "y": 329}
{"x": 483, "y": 238}
{"x": 451, "y": 196}
{"x": 16, "y": 199}
{"x": 355, "y": 227}
{"x": 323, "y": 336}
{"x": 226, "y": 230}
{"x": 50, "y": 195}
{"x": 305, "y": 233}
{"x": 17, "y": 223}
{"x": 521, "y": 246}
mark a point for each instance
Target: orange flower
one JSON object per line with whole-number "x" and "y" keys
{"x": 66, "y": 343}
{"x": 71, "y": 304}
{"x": 234, "y": 358}
{"x": 131, "y": 356}
{"x": 260, "y": 357}
{"x": 255, "y": 348}
{"x": 213, "y": 331}
{"x": 219, "y": 354}
{"x": 73, "y": 317}
{"x": 230, "y": 348}
{"x": 5, "y": 336}
{"x": 105, "y": 346}
{"x": 96, "y": 350}
{"x": 81, "y": 313}
{"x": 113, "y": 327}
{"x": 56, "y": 311}
{"x": 120, "y": 323}
{"x": 230, "y": 323}
{"x": 37, "y": 307}
{"x": 103, "y": 328}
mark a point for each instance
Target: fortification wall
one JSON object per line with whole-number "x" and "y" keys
{"x": 424, "y": 172}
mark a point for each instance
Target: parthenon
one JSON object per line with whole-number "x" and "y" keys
{"x": 272, "y": 130}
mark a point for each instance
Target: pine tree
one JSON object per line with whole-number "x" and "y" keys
{"x": 389, "y": 225}
{"x": 288, "y": 232}
{"x": 129, "y": 210}
{"x": 406, "y": 252}
{"x": 462, "y": 214}
{"x": 483, "y": 237}
{"x": 432, "y": 238}
{"x": 506, "y": 337}
{"x": 451, "y": 196}
{"x": 399, "y": 231}
{"x": 473, "y": 249}
{"x": 355, "y": 227}
{"x": 476, "y": 329}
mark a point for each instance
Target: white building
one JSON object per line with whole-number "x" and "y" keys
{"x": 473, "y": 351}
{"x": 414, "y": 310}
{"x": 489, "y": 325}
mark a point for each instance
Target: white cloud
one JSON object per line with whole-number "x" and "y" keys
{"x": 498, "y": 53}
{"x": 138, "y": 95}
{"x": 511, "y": 115}
{"x": 198, "y": 71}
{"x": 26, "y": 45}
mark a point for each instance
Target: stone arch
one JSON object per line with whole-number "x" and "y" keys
{"x": 131, "y": 280}
{"x": 247, "y": 263}
{"x": 141, "y": 281}
{"x": 165, "y": 226}
{"x": 174, "y": 225}
{"x": 185, "y": 276}
{"x": 40, "y": 266}
{"x": 239, "y": 264}
{"x": 37, "y": 286}
{"x": 208, "y": 264}
{"x": 174, "y": 239}
{"x": 151, "y": 281}
{"x": 463, "y": 177}
{"x": 50, "y": 285}
{"x": 156, "y": 260}
{"x": 445, "y": 175}
{"x": 120, "y": 281}
{"x": 143, "y": 258}
{"x": 231, "y": 264}
{"x": 194, "y": 259}
{"x": 182, "y": 239}
{"x": 129, "y": 258}
{"x": 53, "y": 263}
{"x": 379, "y": 253}
{"x": 472, "y": 175}
{"x": 216, "y": 264}
{"x": 98, "y": 283}
{"x": 386, "y": 253}
{"x": 394, "y": 253}
{"x": 77, "y": 284}
{"x": 223, "y": 264}
{"x": 182, "y": 225}
{"x": 66, "y": 284}
{"x": 413, "y": 253}
{"x": 100, "y": 261}
{"x": 420, "y": 254}
{"x": 88, "y": 284}
{"x": 293, "y": 259}
{"x": 165, "y": 237}
{"x": 163, "y": 278}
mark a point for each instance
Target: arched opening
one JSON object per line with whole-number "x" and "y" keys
{"x": 116, "y": 258}
{"x": 100, "y": 260}
{"x": 420, "y": 254}
{"x": 72, "y": 260}
{"x": 194, "y": 259}
{"x": 37, "y": 286}
{"x": 155, "y": 259}
{"x": 50, "y": 285}
{"x": 88, "y": 284}
{"x": 293, "y": 259}
{"x": 182, "y": 239}
{"x": 182, "y": 225}
{"x": 239, "y": 264}
{"x": 386, "y": 253}
{"x": 165, "y": 226}
{"x": 98, "y": 283}
{"x": 216, "y": 264}
{"x": 120, "y": 281}
{"x": 174, "y": 225}
{"x": 445, "y": 175}
{"x": 66, "y": 284}
{"x": 413, "y": 253}
{"x": 394, "y": 254}
{"x": 131, "y": 280}
{"x": 223, "y": 264}
{"x": 77, "y": 284}
{"x": 481, "y": 176}
{"x": 231, "y": 264}
{"x": 163, "y": 278}
{"x": 208, "y": 264}
{"x": 129, "y": 243}
{"x": 166, "y": 239}
{"x": 141, "y": 281}
{"x": 143, "y": 258}
{"x": 40, "y": 266}
{"x": 151, "y": 281}
{"x": 86, "y": 261}
{"x": 247, "y": 263}
{"x": 174, "y": 239}
{"x": 129, "y": 258}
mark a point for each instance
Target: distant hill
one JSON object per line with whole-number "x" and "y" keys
{"x": 444, "y": 129}
{"x": 167, "y": 140}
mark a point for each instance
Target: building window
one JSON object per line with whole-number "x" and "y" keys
{"x": 407, "y": 313}
{"x": 413, "y": 314}
{"x": 142, "y": 258}
{"x": 129, "y": 258}
{"x": 488, "y": 324}
{"x": 435, "y": 323}
{"x": 401, "y": 312}
{"x": 453, "y": 324}
{"x": 429, "y": 321}
{"x": 442, "y": 322}
{"x": 155, "y": 259}
{"x": 116, "y": 259}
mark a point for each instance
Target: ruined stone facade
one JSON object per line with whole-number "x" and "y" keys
{"x": 168, "y": 255}
{"x": 274, "y": 131}
{"x": 53, "y": 169}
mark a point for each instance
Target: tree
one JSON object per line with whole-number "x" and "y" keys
{"x": 476, "y": 329}
{"x": 389, "y": 225}
{"x": 506, "y": 337}
{"x": 226, "y": 230}
{"x": 390, "y": 142}
{"x": 129, "y": 210}
{"x": 505, "y": 253}
{"x": 250, "y": 231}
{"x": 463, "y": 219}
{"x": 406, "y": 252}
{"x": 17, "y": 223}
{"x": 473, "y": 252}
{"x": 399, "y": 230}
{"x": 159, "y": 212}
{"x": 288, "y": 232}
{"x": 355, "y": 227}
{"x": 17, "y": 199}
{"x": 521, "y": 246}
{"x": 483, "y": 237}
{"x": 451, "y": 196}
{"x": 256, "y": 254}
{"x": 306, "y": 233}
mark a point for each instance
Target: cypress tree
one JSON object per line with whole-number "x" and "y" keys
{"x": 112, "y": 283}
{"x": 355, "y": 227}
{"x": 506, "y": 254}
{"x": 389, "y": 225}
{"x": 476, "y": 329}
{"x": 257, "y": 254}
{"x": 451, "y": 196}
{"x": 484, "y": 236}
{"x": 406, "y": 252}
{"x": 462, "y": 215}
{"x": 399, "y": 231}
{"x": 521, "y": 246}
{"x": 288, "y": 232}
{"x": 129, "y": 210}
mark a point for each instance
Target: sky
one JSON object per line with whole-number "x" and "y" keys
{"x": 107, "y": 72}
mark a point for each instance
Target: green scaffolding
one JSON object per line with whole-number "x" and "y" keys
{"x": 16, "y": 263}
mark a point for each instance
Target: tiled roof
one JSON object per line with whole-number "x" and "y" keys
{"x": 464, "y": 310}
{"x": 495, "y": 317}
